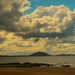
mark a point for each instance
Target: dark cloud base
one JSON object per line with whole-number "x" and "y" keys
{"x": 42, "y": 35}
{"x": 7, "y": 18}
{"x": 2, "y": 40}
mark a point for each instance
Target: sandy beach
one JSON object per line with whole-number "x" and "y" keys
{"x": 38, "y": 71}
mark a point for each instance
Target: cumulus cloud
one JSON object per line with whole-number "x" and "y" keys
{"x": 49, "y": 29}
{"x": 10, "y": 12}
{"x": 52, "y": 21}
{"x": 8, "y": 5}
{"x": 17, "y": 45}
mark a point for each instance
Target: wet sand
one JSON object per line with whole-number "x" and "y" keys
{"x": 38, "y": 71}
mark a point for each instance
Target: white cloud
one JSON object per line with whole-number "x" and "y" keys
{"x": 49, "y": 29}
{"x": 8, "y": 4}
{"x": 48, "y": 19}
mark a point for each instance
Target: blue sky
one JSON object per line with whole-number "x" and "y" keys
{"x": 49, "y": 29}
{"x": 35, "y": 3}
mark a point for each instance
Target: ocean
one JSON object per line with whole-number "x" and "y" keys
{"x": 41, "y": 59}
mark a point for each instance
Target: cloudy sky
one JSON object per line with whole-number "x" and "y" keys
{"x": 28, "y": 26}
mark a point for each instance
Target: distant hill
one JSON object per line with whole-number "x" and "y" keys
{"x": 40, "y": 54}
{"x": 37, "y": 54}
{"x": 66, "y": 55}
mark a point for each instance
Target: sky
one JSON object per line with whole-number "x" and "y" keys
{"x": 28, "y": 26}
{"x": 37, "y": 3}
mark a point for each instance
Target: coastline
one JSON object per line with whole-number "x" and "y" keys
{"x": 38, "y": 71}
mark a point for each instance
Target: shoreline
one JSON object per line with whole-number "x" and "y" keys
{"x": 38, "y": 71}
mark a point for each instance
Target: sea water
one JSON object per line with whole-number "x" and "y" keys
{"x": 41, "y": 59}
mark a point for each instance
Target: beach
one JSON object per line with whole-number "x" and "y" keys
{"x": 38, "y": 71}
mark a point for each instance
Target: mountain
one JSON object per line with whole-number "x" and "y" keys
{"x": 40, "y": 54}
{"x": 66, "y": 55}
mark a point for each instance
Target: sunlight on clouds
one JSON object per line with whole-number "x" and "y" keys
{"x": 14, "y": 44}
{"x": 47, "y": 19}
{"x": 63, "y": 48}
{"x": 49, "y": 29}
{"x": 7, "y": 4}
